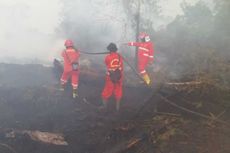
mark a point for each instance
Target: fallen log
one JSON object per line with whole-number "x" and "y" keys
{"x": 47, "y": 137}
{"x": 43, "y": 137}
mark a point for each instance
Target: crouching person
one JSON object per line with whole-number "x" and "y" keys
{"x": 114, "y": 76}
{"x": 71, "y": 66}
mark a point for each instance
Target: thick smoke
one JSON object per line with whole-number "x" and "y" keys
{"x": 35, "y": 30}
{"x": 93, "y": 24}
{"x": 27, "y": 31}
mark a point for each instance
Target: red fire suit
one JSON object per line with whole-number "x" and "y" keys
{"x": 113, "y": 61}
{"x": 145, "y": 55}
{"x": 70, "y": 55}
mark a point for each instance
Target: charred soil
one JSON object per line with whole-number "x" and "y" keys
{"x": 30, "y": 100}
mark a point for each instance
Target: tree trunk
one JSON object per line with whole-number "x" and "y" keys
{"x": 137, "y": 31}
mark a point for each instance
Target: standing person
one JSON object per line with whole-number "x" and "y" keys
{"x": 71, "y": 66}
{"x": 145, "y": 55}
{"x": 114, "y": 76}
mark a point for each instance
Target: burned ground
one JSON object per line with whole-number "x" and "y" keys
{"x": 29, "y": 100}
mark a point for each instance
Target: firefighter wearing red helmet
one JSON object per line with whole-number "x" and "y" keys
{"x": 71, "y": 66}
{"x": 114, "y": 76}
{"x": 145, "y": 55}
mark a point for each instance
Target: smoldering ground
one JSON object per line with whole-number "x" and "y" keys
{"x": 189, "y": 46}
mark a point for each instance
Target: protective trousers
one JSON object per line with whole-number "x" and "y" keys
{"x": 74, "y": 78}
{"x": 142, "y": 64}
{"x": 112, "y": 88}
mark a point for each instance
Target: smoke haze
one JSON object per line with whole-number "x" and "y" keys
{"x": 28, "y": 28}
{"x": 35, "y": 30}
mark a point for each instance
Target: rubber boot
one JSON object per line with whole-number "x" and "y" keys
{"x": 75, "y": 95}
{"x": 146, "y": 79}
{"x": 103, "y": 108}
{"x": 117, "y": 105}
{"x": 62, "y": 87}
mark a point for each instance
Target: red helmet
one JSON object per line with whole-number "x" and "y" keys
{"x": 69, "y": 43}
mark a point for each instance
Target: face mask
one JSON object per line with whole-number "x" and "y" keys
{"x": 147, "y": 39}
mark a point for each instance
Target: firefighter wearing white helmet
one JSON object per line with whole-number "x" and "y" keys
{"x": 145, "y": 55}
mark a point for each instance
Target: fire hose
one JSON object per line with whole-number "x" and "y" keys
{"x": 126, "y": 61}
{"x": 162, "y": 97}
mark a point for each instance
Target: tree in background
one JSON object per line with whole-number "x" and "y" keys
{"x": 196, "y": 43}
{"x": 221, "y": 31}
{"x": 141, "y": 15}
{"x": 187, "y": 46}
{"x": 92, "y": 24}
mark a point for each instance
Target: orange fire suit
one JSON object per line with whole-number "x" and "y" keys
{"x": 70, "y": 55}
{"x": 145, "y": 55}
{"x": 113, "y": 61}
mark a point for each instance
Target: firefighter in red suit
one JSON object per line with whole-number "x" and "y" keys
{"x": 145, "y": 55}
{"x": 113, "y": 62}
{"x": 71, "y": 66}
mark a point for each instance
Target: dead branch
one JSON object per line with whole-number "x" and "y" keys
{"x": 193, "y": 112}
{"x": 169, "y": 114}
{"x": 127, "y": 145}
{"x": 219, "y": 115}
{"x": 159, "y": 128}
{"x": 8, "y": 147}
{"x": 133, "y": 142}
{"x": 124, "y": 146}
{"x": 184, "y": 83}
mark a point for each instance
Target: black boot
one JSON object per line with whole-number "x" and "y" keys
{"x": 117, "y": 105}
{"x": 62, "y": 87}
{"x": 75, "y": 95}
